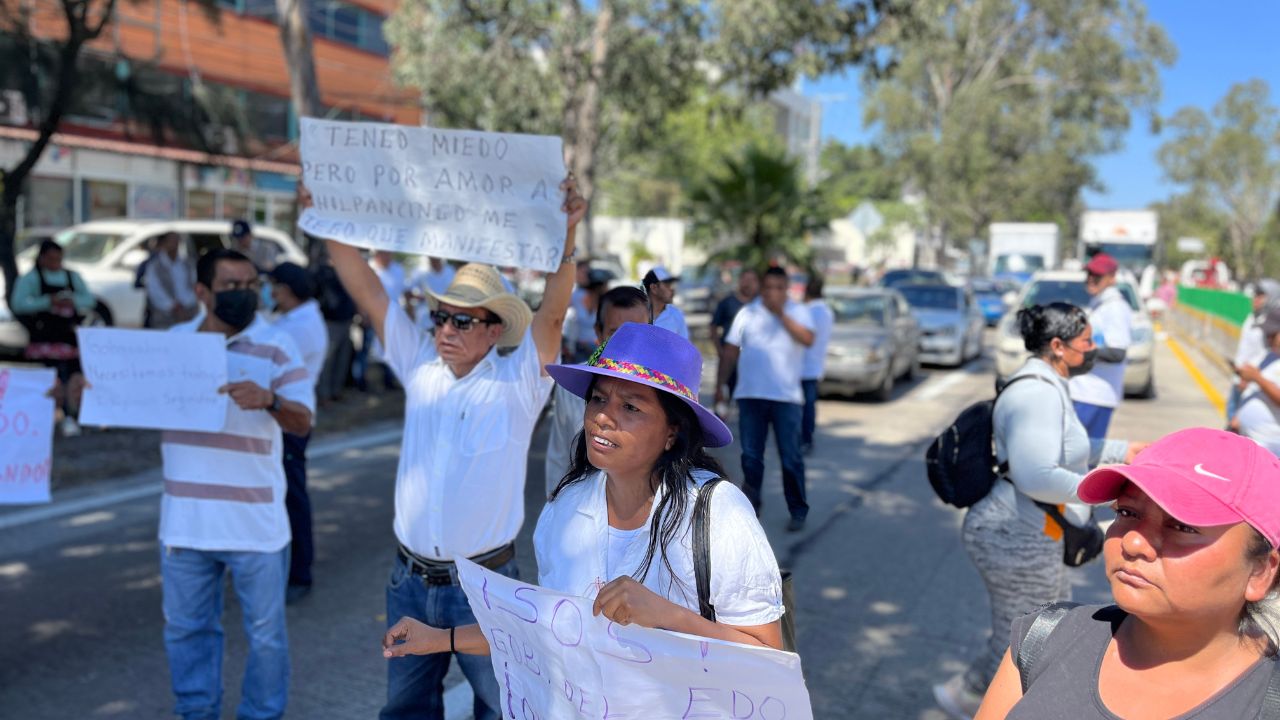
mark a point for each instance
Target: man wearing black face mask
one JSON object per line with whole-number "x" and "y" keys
{"x": 223, "y": 508}
{"x": 1097, "y": 391}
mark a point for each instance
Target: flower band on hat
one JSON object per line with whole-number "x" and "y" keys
{"x": 643, "y": 373}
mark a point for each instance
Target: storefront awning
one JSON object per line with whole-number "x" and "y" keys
{"x": 132, "y": 148}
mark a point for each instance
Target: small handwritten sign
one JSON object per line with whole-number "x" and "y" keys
{"x": 554, "y": 659}
{"x": 26, "y": 434}
{"x": 457, "y": 194}
{"x": 153, "y": 379}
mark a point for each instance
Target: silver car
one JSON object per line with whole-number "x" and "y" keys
{"x": 875, "y": 341}
{"x": 951, "y": 323}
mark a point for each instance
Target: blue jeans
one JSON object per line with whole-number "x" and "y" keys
{"x": 810, "y": 421}
{"x": 1095, "y": 418}
{"x": 415, "y": 684}
{"x": 193, "y": 582}
{"x": 754, "y": 418}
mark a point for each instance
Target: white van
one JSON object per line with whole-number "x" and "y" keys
{"x": 107, "y": 254}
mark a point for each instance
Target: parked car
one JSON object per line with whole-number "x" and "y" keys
{"x": 33, "y": 236}
{"x": 990, "y": 296}
{"x": 875, "y": 341}
{"x": 912, "y": 276}
{"x": 107, "y": 254}
{"x": 951, "y": 325}
{"x": 1068, "y": 286}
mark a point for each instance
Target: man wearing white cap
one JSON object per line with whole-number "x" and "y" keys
{"x": 660, "y": 286}
{"x": 469, "y": 416}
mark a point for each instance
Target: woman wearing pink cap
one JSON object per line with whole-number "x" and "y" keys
{"x": 1192, "y": 563}
{"x": 619, "y": 526}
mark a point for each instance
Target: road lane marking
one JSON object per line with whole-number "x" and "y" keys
{"x": 933, "y": 390}
{"x": 1211, "y": 392}
{"x": 152, "y": 487}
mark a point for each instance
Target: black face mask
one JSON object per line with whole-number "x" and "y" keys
{"x": 235, "y": 307}
{"x": 1084, "y": 367}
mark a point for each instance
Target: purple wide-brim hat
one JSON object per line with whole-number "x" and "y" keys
{"x": 650, "y": 356}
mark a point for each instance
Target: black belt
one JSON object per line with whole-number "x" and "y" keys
{"x": 444, "y": 572}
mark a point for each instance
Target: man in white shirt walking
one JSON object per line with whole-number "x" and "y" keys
{"x": 223, "y": 504}
{"x": 660, "y": 286}
{"x": 815, "y": 358}
{"x": 170, "y": 285}
{"x": 1098, "y": 391}
{"x": 766, "y": 343}
{"x": 469, "y": 415}
{"x": 298, "y": 315}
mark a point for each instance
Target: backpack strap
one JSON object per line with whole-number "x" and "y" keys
{"x": 1002, "y": 469}
{"x": 1037, "y": 639}
{"x": 702, "y": 548}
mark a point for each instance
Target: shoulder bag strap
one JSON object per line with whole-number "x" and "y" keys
{"x": 1037, "y": 639}
{"x": 1271, "y": 700}
{"x": 702, "y": 548}
{"x": 1003, "y": 468}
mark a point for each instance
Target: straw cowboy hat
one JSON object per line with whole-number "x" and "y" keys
{"x": 651, "y": 356}
{"x": 476, "y": 285}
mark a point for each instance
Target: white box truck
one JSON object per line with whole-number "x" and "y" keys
{"x": 1129, "y": 236}
{"x": 1018, "y": 250}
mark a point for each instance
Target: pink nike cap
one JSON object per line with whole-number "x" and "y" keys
{"x": 1201, "y": 477}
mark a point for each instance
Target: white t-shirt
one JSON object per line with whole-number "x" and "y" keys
{"x": 580, "y": 322}
{"x": 673, "y": 319}
{"x": 225, "y": 490}
{"x": 1253, "y": 344}
{"x": 573, "y": 546}
{"x": 1259, "y": 415}
{"x": 460, "y": 484}
{"x": 770, "y": 361}
{"x": 815, "y": 356}
{"x": 427, "y": 279}
{"x": 1111, "y": 318}
{"x": 305, "y": 326}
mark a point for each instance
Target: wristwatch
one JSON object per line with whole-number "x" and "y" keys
{"x": 568, "y": 257}
{"x": 275, "y": 403}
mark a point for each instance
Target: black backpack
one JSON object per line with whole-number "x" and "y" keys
{"x": 962, "y": 460}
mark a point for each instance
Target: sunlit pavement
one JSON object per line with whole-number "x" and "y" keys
{"x": 888, "y": 601}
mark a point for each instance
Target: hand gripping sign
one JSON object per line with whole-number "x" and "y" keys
{"x": 554, "y": 660}
{"x": 456, "y": 194}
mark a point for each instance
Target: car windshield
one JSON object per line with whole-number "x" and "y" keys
{"x": 1019, "y": 264}
{"x": 858, "y": 309}
{"x": 88, "y": 247}
{"x": 1043, "y": 292}
{"x": 930, "y": 297}
{"x": 894, "y": 278}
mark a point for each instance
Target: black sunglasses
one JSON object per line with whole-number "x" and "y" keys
{"x": 461, "y": 321}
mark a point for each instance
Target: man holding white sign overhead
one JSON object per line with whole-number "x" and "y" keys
{"x": 224, "y": 502}
{"x": 469, "y": 416}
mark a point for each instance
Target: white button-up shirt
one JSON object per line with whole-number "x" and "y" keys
{"x": 460, "y": 485}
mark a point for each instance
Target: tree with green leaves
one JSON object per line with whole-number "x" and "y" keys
{"x": 1230, "y": 159}
{"x": 854, "y": 173}
{"x": 756, "y": 208}
{"x": 994, "y": 108}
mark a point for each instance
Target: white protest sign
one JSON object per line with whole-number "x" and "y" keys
{"x": 26, "y": 434}
{"x": 457, "y": 194}
{"x": 153, "y": 379}
{"x": 553, "y": 660}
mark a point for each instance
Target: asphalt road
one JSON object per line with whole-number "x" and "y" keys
{"x": 888, "y": 601}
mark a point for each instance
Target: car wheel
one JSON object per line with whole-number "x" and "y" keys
{"x": 884, "y": 393}
{"x": 99, "y": 316}
{"x": 1149, "y": 390}
{"x": 913, "y": 368}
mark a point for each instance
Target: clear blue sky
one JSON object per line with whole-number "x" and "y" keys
{"x": 1219, "y": 43}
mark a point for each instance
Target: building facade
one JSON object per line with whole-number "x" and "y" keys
{"x": 183, "y": 110}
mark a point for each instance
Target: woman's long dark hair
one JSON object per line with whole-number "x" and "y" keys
{"x": 673, "y": 472}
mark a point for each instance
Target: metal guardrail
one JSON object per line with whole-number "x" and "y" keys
{"x": 1214, "y": 336}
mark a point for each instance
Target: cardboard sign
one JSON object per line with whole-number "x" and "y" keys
{"x": 26, "y": 434}
{"x": 458, "y": 194}
{"x": 153, "y": 379}
{"x": 553, "y": 659}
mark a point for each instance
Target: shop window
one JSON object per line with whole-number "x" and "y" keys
{"x": 201, "y": 205}
{"x": 260, "y": 211}
{"x": 104, "y": 199}
{"x": 235, "y": 206}
{"x": 50, "y": 202}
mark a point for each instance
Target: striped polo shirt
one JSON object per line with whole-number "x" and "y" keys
{"x": 225, "y": 490}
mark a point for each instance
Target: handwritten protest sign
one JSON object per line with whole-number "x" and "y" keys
{"x": 152, "y": 379}
{"x": 554, "y": 660}
{"x": 457, "y": 194}
{"x": 26, "y": 435}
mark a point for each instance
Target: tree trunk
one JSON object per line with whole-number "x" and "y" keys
{"x": 587, "y": 137}
{"x": 80, "y": 30}
{"x": 304, "y": 88}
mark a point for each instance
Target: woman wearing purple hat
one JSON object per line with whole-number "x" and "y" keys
{"x": 1192, "y": 562}
{"x": 619, "y": 526}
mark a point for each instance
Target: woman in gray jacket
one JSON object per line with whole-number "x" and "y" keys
{"x": 1016, "y": 547}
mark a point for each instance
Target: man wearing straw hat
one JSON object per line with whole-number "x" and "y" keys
{"x": 469, "y": 415}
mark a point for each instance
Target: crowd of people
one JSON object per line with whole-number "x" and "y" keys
{"x": 1191, "y": 558}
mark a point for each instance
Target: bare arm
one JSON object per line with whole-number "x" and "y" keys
{"x": 798, "y": 332}
{"x": 548, "y": 322}
{"x": 293, "y": 417}
{"x": 691, "y": 623}
{"x": 728, "y": 361}
{"x": 625, "y": 601}
{"x": 362, "y": 284}
{"x": 1003, "y": 693}
{"x": 411, "y": 637}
